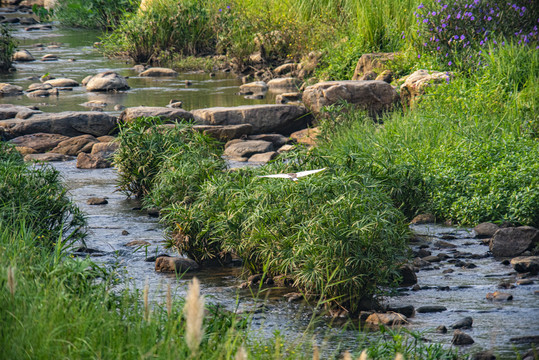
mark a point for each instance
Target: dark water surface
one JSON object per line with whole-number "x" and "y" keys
{"x": 462, "y": 292}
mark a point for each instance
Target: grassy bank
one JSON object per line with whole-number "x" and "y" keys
{"x": 55, "y": 306}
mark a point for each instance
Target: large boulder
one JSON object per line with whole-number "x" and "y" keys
{"x": 373, "y": 96}
{"x": 73, "y": 146}
{"x": 23, "y": 55}
{"x": 40, "y": 142}
{"x": 159, "y": 72}
{"x": 8, "y": 111}
{"x": 509, "y": 242}
{"x": 99, "y": 158}
{"x": 416, "y": 84}
{"x": 485, "y": 230}
{"x": 10, "y": 90}
{"x": 68, "y": 123}
{"x": 525, "y": 264}
{"x": 62, "y": 82}
{"x": 50, "y": 156}
{"x": 282, "y": 119}
{"x": 107, "y": 81}
{"x": 374, "y": 62}
{"x": 168, "y": 114}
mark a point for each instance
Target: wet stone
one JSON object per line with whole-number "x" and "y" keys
{"x": 464, "y": 323}
{"x": 461, "y": 338}
{"x": 136, "y": 243}
{"x": 423, "y": 219}
{"x": 522, "y": 282}
{"x": 175, "y": 264}
{"x": 388, "y": 319}
{"x": 441, "y": 329}
{"x": 406, "y": 310}
{"x": 484, "y": 355}
{"x": 431, "y": 258}
{"x": 423, "y": 253}
{"x": 431, "y": 309}
{"x": 125, "y": 232}
{"x": 448, "y": 271}
{"x": 97, "y": 201}
{"x": 499, "y": 296}
{"x": 444, "y": 244}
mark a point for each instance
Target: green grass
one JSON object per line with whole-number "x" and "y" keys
{"x": 7, "y": 48}
{"x": 99, "y": 14}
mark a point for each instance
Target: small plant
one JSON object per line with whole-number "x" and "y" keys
{"x": 42, "y": 13}
{"x": 99, "y": 14}
{"x": 7, "y": 48}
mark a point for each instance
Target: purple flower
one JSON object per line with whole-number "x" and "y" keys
{"x": 228, "y": 6}
{"x": 472, "y": 18}
{"x": 421, "y": 6}
{"x": 438, "y": 48}
{"x": 426, "y": 21}
{"x": 419, "y": 56}
{"x": 444, "y": 25}
{"x": 220, "y": 10}
{"x": 449, "y": 63}
{"x": 456, "y": 37}
{"x": 461, "y": 37}
{"x": 489, "y": 18}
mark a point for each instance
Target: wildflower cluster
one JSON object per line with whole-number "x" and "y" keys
{"x": 457, "y": 31}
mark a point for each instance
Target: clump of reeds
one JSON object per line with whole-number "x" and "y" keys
{"x": 194, "y": 315}
{"x": 241, "y": 354}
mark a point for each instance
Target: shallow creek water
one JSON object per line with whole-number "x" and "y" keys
{"x": 461, "y": 292}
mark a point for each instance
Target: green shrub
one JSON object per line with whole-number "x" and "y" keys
{"x": 101, "y": 14}
{"x": 37, "y": 196}
{"x": 7, "y": 48}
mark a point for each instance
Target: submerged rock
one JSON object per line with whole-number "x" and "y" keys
{"x": 23, "y": 55}
{"x": 175, "y": 264}
{"x": 464, "y": 323}
{"x": 256, "y": 87}
{"x": 159, "y": 72}
{"x": 97, "y": 201}
{"x": 388, "y": 319}
{"x": 10, "y": 90}
{"x": 431, "y": 309}
{"x": 525, "y": 264}
{"x": 461, "y": 338}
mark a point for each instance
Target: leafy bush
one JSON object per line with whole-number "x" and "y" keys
{"x": 457, "y": 33}
{"x": 7, "y": 48}
{"x": 102, "y": 14}
{"x": 37, "y": 196}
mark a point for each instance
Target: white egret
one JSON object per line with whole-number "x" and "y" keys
{"x": 293, "y": 176}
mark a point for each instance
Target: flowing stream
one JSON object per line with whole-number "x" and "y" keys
{"x": 114, "y": 225}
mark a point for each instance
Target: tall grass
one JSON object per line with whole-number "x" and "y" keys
{"x": 7, "y": 48}
{"x": 100, "y": 14}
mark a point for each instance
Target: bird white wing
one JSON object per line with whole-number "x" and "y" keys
{"x": 286, "y": 176}
{"x": 308, "y": 172}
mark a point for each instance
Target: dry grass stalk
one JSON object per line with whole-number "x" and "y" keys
{"x": 347, "y": 355}
{"x": 316, "y": 353}
{"x": 169, "y": 300}
{"x": 363, "y": 355}
{"x": 146, "y": 301}
{"x": 194, "y": 315}
{"x": 399, "y": 356}
{"x": 11, "y": 282}
{"x": 241, "y": 354}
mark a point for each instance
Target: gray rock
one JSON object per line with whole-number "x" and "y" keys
{"x": 167, "y": 114}
{"x": 283, "y": 84}
{"x": 464, "y": 323}
{"x": 248, "y": 148}
{"x": 49, "y": 57}
{"x": 8, "y": 111}
{"x": 105, "y": 149}
{"x": 441, "y": 329}
{"x": 10, "y": 90}
{"x": 107, "y": 81}
{"x": 85, "y": 81}
{"x": 39, "y": 86}
{"x": 415, "y": 84}
{"x": 43, "y": 93}
{"x": 499, "y": 296}
{"x": 159, "y": 72}
{"x": 406, "y": 310}
{"x": 485, "y": 230}
{"x": 461, "y": 338}
{"x": 287, "y": 97}
{"x": 97, "y": 201}
{"x": 40, "y": 142}
{"x": 286, "y": 69}
{"x": 282, "y": 119}
{"x": 408, "y": 275}
{"x": 374, "y": 96}
{"x": 256, "y": 87}
{"x": 23, "y": 55}
{"x": 369, "y": 62}
{"x": 137, "y": 243}
{"x": 75, "y": 145}
{"x": 68, "y": 123}
{"x": 484, "y": 355}
{"x": 175, "y": 264}
{"x": 47, "y": 157}
{"x": 525, "y": 264}
{"x": 91, "y": 161}
{"x": 510, "y": 242}
{"x": 431, "y": 309}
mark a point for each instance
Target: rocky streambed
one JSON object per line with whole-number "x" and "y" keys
{"x": 460, "y": 285}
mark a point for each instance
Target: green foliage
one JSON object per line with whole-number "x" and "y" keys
{"x": 36, "y": 195}
{"x": 101, "y": 14}
{"x": 146, "y": 144}
{"x": 7, "y": 48}
{"x": 42, "y": 13}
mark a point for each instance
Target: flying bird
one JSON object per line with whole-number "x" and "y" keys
{"x": 293, "y": 176}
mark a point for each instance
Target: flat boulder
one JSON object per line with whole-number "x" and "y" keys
{"x": 22, "y": 56}
{"x": 8, "y": 111}
{"x": 286, "y": 69}
{"x": 10, "y": 90}
{"x": 40, "y": 142}
{"x": 526, "y": 264}
{"x": 75, "y": 145}
{"x": 282, "y": 119}
{"x": 107, "y": 81}
{"x": 306, "y": 136}
{"x": 225, "y": 132}
{"x": 167, "y": 114}
{"x": 416, "y": 84}
{"x": 159, "y": 72}
{"x": 263, "y": 158}
{"x": 374, "y": 96}
{"x": 49, "y": 57}
{"x": 62, "y": 82}
{"x": 247, "y": 148}
{"x": 47, "y": 157}
{"x": 68, "y": 123}
{"x": 287, "y": 97}
{"x": 513, "y": 241}
{"x": 283, "y": 84}
{"x": 277, "y": 140}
